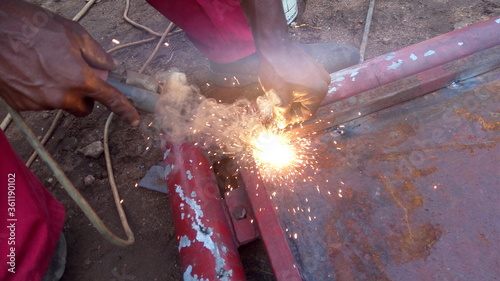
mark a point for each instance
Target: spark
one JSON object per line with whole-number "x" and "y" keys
{"x": 273, "y": 150}
{"x": 166, "y": 44}
{"x": 278, "y": 156}
{"x": 115, "y": 41}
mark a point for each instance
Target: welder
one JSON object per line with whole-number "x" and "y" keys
{"x": 47, "y": 61}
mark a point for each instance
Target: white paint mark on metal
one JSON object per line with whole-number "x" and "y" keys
{"x": 390, "y": 56}
{"x": 203, "y": 235}
{"x": 413, "y": 57}
{"x": 182, "y": 216}
{"x": 460, "y": 43}
{"x": 191, "y": 202}
{"x": 353, "y": 79}
{"x": 429, "y": 53}
{"x": 184, "y": 242}
{"x": 167, "y": 170}
{"x": 166, "y": 154}
{"x": 340, "y": 76}
{"x": 189, "y": 175}
{"x": 332, "y": 89}
{"x": 188, "y": 277}
{"x": 395, "y": 65}
{"x": 338, "y": 79}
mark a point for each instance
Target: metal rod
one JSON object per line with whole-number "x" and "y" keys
{"x": 413, "y": 59}
{"x": 273, "y": 235}
{"x": 400, "y": 91}
{"x": 368, "y": 22}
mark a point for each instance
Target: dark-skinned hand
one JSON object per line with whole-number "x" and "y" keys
{"x": 47, "y": 61}
{"x": 293, "y": 81}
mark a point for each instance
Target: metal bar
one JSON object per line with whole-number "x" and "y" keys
{"x": 242, "y": 216}
{"x": 368, "y": 22}
{"x": 275, "y": 241}
{"x": 207, "y": 246}
{"x": 413, "y": 59}
{"x": 400, "y": 91}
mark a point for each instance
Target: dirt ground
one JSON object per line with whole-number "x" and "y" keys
{"x": 395, "y": 24}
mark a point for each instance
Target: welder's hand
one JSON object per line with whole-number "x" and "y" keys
{"x": 293, "y": 81}
{"x": 46, "y": 63}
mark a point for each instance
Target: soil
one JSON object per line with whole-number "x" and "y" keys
{"x": 153, "y": 256}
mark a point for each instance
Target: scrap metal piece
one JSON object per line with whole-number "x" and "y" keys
{"x": 155, "y": 179}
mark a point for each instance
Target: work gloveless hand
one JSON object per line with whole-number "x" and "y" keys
{"x": 46, "y": 63}
{"x": 293, "y": 81}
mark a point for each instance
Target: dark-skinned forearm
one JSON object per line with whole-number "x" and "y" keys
{"x": 268, "y": 23}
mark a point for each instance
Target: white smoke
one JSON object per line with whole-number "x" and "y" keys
{"x": 187, "y": 116}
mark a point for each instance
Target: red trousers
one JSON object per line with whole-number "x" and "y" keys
{"x": 218, "y": 28}
{"x": 31, "y": 219}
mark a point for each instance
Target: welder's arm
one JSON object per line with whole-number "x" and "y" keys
{"x": 299, "y": 81}
{"x": 46, "y": 63}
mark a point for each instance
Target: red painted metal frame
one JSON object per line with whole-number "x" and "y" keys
{"x": 413, "y": 59}
{"x": 274, "y": 237}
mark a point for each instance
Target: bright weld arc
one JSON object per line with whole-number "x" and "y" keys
{"x": 279, "y": 157}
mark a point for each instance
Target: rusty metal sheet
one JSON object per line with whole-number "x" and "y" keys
{"x": 407, "y": 193}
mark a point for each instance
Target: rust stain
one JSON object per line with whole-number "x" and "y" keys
{"x": 416, "y": 245}
{"x": 420, "y": 173}
{"x": 400, "y": 155}
{"x": 486, "y": 125}
{"x": 399, "y": 202}
{"x": 360, "y": 249}
{"x": 483, "y": 239}
{"x": 354, "y": 249}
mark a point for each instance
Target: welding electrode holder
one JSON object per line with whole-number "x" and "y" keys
{"x": 136, "y": 87}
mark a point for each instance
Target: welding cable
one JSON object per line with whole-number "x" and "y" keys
{"x": 366, "y": 31}
{"x": 125, "y": 16}
{"x": 84, "y": 10}
{"x": 51, "y": 129}
{"x": 111, "y": 176}
{"x": 5, "y": 122}
{"x": 155, "y": 51}
{"x": 66, "y": 183}
{"x": 130, "y": 44}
